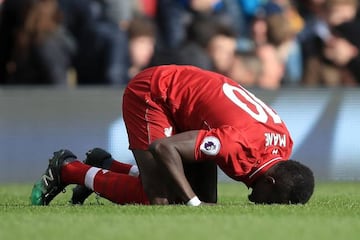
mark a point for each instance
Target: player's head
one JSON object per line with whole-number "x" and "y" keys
{"x": 288, "y": 182}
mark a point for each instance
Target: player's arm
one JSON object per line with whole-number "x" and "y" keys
{"x": 171, "y": 151}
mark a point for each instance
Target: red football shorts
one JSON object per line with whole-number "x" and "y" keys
{"x": 145, "y": 119}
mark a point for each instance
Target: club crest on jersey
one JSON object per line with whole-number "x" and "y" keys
{"x": 210, "y": 146}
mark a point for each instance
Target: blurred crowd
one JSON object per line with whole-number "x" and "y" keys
{"x": 259, "y": 43}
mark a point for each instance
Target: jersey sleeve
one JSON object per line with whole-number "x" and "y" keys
{"x": 227, "y": 147}
{"x": 211, "y": 144}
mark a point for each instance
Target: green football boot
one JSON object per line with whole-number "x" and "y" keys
{"x": 49, "y": 185}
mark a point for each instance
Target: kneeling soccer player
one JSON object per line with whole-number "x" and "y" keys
{"x": 180, "y": 116}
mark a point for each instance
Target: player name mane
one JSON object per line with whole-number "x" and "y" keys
{"x": 275, "y": 139}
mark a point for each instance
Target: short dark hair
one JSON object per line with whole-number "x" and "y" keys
{"x": 203, "y": 29}
{"x": 141, "y": 26}
{"x": 294, "y": 182}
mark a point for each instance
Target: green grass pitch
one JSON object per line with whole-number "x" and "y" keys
{"x": 332, "y": 213}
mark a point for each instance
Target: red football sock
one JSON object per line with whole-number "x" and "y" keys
{"x": 116, "y": 187}
{"x": 74, "y": 173}
{"x": 124, "y": 168}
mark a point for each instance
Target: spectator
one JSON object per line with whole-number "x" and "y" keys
{"x": 211, "y": 46}
{"x": 221, "y": 48}
{"x": 193, "y": 50}
{"x": 247, "y": 12}
{"x": 332, "y": 57}
{"x": 264, "y": 34}
{"x": 246, "y": 69}
{"x": 174, "y": 17}
{"x": 343, "y": 48}
{"x": 274, "y": 42}
{"x": 283, "y": 24}
{"x": 34, "y": 47}
{"x": 272, "y": 68}
{"x": 101, "y": 57}
{"x": 142, "y": 41}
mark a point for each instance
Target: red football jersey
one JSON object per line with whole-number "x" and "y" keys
{"x": 237, "y": 130}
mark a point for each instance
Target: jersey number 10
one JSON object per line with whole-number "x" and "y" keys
{"x": 263, "y": 111}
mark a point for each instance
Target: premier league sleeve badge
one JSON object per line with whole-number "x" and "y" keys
{"x": 210, "y": 146}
